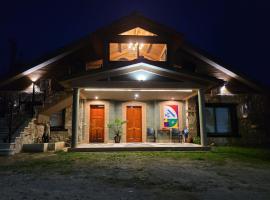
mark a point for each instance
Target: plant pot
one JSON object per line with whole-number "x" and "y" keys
{"x": 190, "y": 140}
{"x": 117, "y": 138}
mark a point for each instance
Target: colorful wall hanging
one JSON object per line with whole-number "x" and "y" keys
{"x": 171, "y": 116}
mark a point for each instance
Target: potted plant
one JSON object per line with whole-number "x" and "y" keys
{"x": 116, "y": 126}
{"x": 190, "y": 139}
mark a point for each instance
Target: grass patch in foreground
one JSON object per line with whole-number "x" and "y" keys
{"x": 65, "y": 163}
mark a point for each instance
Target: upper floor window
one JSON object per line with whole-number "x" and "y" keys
{"x": 138, "y": 32}
{"x": 132, "y": 51}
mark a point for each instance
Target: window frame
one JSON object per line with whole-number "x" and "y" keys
{"x": 63, "y": 119}
{"x": 233, "y": 120}
{"x": 139, "y": 39}
{"x": 139, "y": 54}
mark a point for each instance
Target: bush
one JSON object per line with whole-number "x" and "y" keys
{"x": 196, "y": 140}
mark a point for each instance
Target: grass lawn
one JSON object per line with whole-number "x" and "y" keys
{"x": 223, "y": 173}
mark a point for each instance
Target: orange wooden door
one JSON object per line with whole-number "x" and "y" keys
{"x": 134, "y": 124}
{"x": 96, "y": 130}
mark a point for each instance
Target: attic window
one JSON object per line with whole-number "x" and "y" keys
{"x": 133, "y": 51}
{"x": 138, "y": 32}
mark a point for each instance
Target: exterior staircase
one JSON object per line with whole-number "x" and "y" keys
{"x": 25, "y": 134}
{"x": 27, "y": 131}
{"x": 58, "y": 101}
{"x": 3, "y": 129}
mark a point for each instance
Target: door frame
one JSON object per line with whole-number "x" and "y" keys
{"x": 140, "y": 109}
{"x": 106, "y": 105}
{"x": 124, "y": 116}
{"x": 103, "y": 110}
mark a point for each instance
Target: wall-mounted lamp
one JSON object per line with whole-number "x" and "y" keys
{"x": 245, "y": 108}
{"x": 224, "y": 90}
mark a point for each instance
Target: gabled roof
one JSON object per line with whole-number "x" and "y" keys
{"x": 95, "y": 42}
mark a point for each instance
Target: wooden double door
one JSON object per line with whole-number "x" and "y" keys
{"x": 96, "y": 129}
{"x": 134, "y": 124}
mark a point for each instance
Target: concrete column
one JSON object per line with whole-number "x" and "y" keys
{"x": 201, "y": 102}
{"x": 75, "y": 117}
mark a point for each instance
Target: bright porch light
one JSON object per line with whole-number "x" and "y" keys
{"x": 224, "y": 91}
{"x": 141, "y": 77}
{"x": 136, "y": 96}
{"x": 135, "y": 90}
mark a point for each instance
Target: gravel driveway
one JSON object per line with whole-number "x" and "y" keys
{"x": 130, "y": 176}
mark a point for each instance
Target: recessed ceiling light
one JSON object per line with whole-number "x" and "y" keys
{"x": 136, "y": 95}
{"x": 141, "y": 77}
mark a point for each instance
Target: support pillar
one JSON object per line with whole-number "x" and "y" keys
{"x": 75, "y": 117}
{"x": 201, "y": 103}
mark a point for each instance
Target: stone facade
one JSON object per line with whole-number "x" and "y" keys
{"x": 253, "y": 126}
{"x": 192, "y": 116}
{"x": 60, "y": 136}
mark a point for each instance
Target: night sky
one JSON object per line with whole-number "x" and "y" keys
{"x": 235, "y": 32}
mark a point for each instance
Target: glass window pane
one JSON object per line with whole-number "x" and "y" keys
{"x": 131, "y": 51}
{"x": 223, "y": 120}
{"x": 155, "y": 52}
{"x": 210, "y": 120}
{"x": 122, "y": 52}
{"x": 56, "y": 119}
{"x": 139, "y": 32}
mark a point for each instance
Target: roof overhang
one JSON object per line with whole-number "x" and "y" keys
{"x": 180, "y": 79}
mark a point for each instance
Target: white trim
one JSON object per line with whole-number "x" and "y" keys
{"x": 106, "y": 105}
{"x": 136, "y": 90}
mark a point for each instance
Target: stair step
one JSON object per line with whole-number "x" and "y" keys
{"x": 7, "y": 145}
{"x": 7, "y": 152}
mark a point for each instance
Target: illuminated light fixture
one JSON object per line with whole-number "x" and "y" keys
{"x": 172, "y": 98}
{"x": 141, "y": 77}
{"x": 224, "y": 91}
{"x": 34, "y": 77}
{"x": 136, "y": 96}
{"x": 29, "y": 89}
{"x": 96, "y": 97}
{"x": 134, "y": 46}
{"x": 135, "y": 90}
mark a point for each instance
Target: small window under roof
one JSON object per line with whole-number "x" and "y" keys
{"x": 139, "y": 32}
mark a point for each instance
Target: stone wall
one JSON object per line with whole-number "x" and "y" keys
{"x": 68, "y": 119}
{"x": 192, "y": 116}
{"x": 60, "y": 136}
{"x": 68, "y": 122}
{"x": 253, "y": 129}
